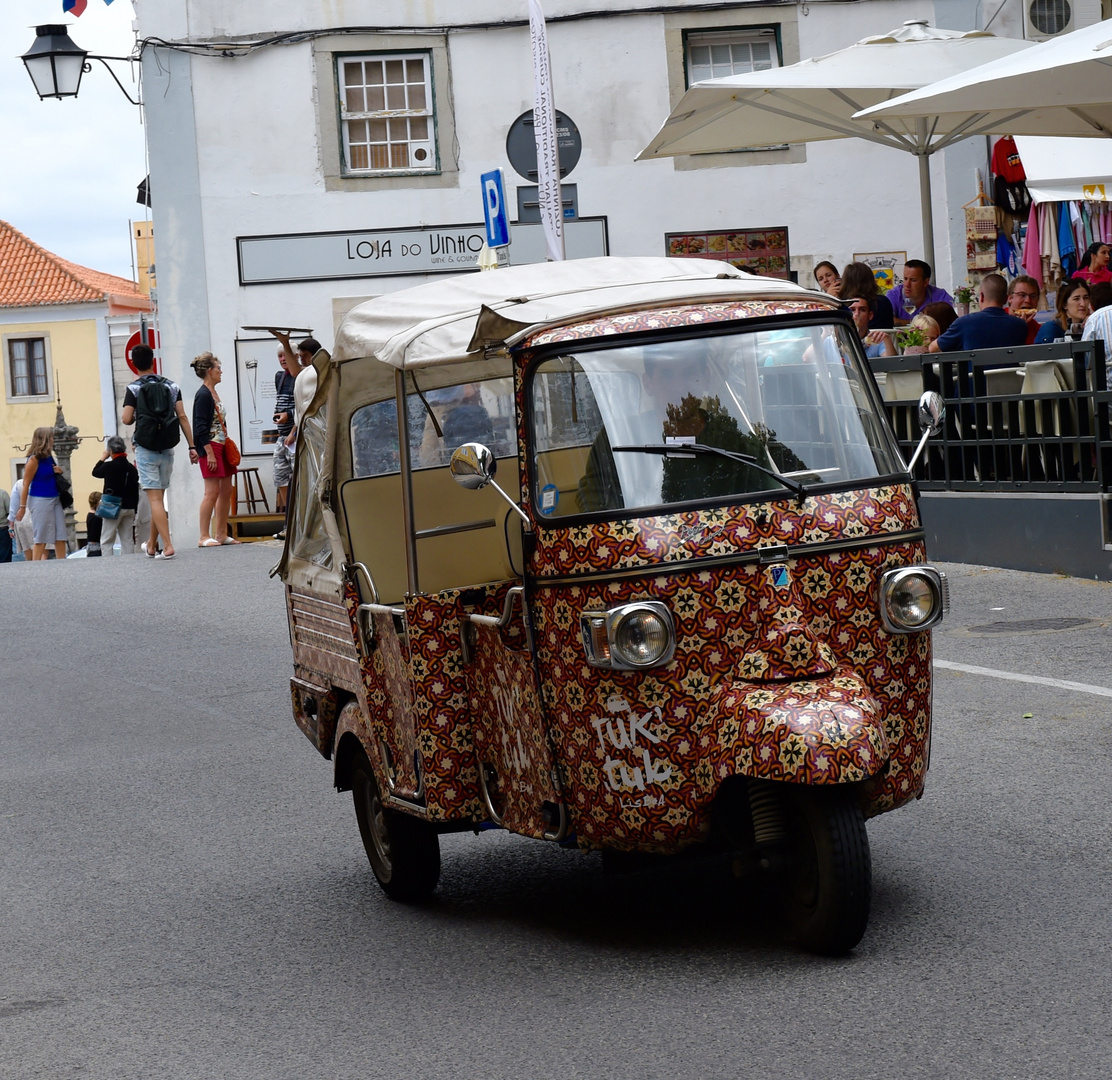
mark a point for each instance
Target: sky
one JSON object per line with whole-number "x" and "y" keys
{"x": 72, "y": 166}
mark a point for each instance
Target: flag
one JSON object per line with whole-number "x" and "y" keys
{"x": 544, "y": 129}
{"x": 75, "y": 7}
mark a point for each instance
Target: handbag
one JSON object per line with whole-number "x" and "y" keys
{"x": 232, "y": 456}
{"x": 65, "y": 491}
{"x": 109, "y": 506}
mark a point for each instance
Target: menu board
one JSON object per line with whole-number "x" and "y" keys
{"x": 760, "y": 251}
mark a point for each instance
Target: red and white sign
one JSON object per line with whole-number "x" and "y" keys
{"x": 136, "y": 339}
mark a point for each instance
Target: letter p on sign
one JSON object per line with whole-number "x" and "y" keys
{"x": 494, "y": 209}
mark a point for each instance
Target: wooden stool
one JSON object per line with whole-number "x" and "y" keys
{"x": 253, "y": 493}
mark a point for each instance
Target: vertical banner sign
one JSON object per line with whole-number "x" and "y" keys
{"x": 544, "y": 128}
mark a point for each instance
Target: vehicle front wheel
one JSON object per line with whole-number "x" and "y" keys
{"x": 830, "y": 872}
{"x": 404, "y": 851}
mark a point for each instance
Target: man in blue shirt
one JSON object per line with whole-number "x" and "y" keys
{"x": 990, "y": 328}
{"x": 909, "y": 298}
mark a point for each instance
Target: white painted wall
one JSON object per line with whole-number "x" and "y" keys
{"x": 236, "y": 149}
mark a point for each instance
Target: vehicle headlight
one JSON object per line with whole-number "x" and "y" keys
{"x": 913, "y": 598}
{"x": 629, "y": 637}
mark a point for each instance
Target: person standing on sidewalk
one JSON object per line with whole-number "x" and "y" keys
{"x": 23, "y": 532}
{"x": 283, "y": 421}
{"x": 40, "y": 496}
{"x": 120, "y": 478}
{"x": 5, "y": 529}
{"x": 154, "y": 405}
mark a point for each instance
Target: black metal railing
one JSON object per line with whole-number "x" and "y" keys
{"x": 1031, "y": 418}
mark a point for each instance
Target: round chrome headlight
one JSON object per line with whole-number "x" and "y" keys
{"x": 912, "y": 599}
{"x": 641, "y": 637}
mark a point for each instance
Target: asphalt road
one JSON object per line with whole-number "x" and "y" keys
{"x": 183, "y": 895}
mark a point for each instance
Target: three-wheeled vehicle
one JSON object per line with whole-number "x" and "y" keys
{"x": 618, "y": 554}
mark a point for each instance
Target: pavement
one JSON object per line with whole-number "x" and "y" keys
{"x": 183, "y": 894}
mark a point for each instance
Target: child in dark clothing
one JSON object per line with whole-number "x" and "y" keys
{"x": 92, "y": 527}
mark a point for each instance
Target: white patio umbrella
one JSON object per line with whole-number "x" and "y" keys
{"x": 1059, "y": 87}
{"x": 818, "y": 98}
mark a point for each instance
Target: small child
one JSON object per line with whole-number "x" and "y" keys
{"x": 92, "y": 527}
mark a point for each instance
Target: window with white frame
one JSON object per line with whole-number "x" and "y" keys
{"x": 719, "y": 53}
{"x": 386, "y": 113}
{"x": 27, "y": 367}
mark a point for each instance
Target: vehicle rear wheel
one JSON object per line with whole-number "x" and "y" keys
{"x": 404, "y": 851}
{"x": 829, "y": 878}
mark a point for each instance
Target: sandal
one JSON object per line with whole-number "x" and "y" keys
{"x": 227, "y": 540}
{"x": 163, "y": 555}
{"x": 209, "y": 542}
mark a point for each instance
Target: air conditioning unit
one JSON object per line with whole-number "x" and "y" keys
{"x": 1043, "y": 19}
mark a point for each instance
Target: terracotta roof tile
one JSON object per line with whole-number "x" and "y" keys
{"x": 31, "y": 276}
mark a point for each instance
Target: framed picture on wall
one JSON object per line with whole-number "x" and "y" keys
{"x": 256, "y": 368}
{"x": 887, "y": 266}
{"x": 760, "y": 251}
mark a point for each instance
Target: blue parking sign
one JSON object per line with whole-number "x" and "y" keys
{"x": 494, "y": 209}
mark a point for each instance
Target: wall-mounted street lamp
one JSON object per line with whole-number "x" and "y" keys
{"x": 56, "y": 64}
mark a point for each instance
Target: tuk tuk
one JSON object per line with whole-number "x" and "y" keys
{"x": 618, "y": 554}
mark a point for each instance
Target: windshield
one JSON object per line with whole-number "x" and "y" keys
{"x": 610, "y": 426}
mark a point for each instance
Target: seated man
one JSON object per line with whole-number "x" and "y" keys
{"x": 1023, "y": 302}
{"x": 990, "y": 328}
{"x": 915, "y": 292}
{"x": 875, "y": 343}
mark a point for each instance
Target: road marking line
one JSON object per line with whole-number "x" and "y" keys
{"x": 1060, "y": 684}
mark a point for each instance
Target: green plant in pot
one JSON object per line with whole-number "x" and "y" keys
{"x": 912, "y": 340}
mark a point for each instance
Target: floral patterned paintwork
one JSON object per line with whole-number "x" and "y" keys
{"x": 663, "y": 318}
{"x": 706, "y": 534}
{"x": 509, "y": 731}
{"x": 823, "y": 730}
{"x": 642, "y": 750}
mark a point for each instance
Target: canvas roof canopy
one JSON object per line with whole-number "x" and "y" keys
{"x": 819, "y": 98}
{"x": 443, "y": 330}
{"x": 1060, "y": 87}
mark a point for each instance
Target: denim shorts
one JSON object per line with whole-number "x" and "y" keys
{"x": 155, "y": 467}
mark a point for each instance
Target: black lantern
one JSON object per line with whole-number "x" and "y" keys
{"x": 55, "y": 63}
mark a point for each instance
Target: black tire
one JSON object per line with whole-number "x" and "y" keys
{"x": 404, "y": 851}
{"x": 829, "y": 880}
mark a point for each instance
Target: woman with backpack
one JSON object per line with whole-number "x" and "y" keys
{"x": 40, "y": 496}
{"x": 210, "y": 433}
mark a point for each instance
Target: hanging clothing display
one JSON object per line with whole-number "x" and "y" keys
{"x": 1067, "y": 245}
{"x": 1031, "y": 259}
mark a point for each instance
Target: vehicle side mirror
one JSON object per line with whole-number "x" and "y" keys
{"x": 932, "y": 412}
{"x": 473, "y": 465}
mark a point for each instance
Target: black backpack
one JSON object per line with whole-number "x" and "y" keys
{"x": 156, "y": 414}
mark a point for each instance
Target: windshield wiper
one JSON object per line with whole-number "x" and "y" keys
{"x": 679, "y": 449}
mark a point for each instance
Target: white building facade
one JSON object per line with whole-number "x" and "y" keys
{"x": 306, "y": 154}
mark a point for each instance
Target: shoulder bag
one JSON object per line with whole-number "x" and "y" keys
{"x": 232, "y": 456}
{"x": 109, "y": 506}
{"x": 65, "y": 491}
